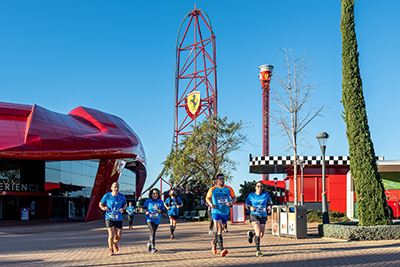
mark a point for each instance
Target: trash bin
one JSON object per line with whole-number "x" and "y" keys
{"x": 276, "y": 219}
{"x": 283, "y": 220}
{"x": 297, "y": 221}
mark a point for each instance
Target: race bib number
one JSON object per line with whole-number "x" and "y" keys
{"x": 222, "y": 200}
{"x": 113, "y": 216}
{"x": 261, "y": 209}
{"x": 153, "y": 215}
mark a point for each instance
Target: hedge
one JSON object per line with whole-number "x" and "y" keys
{"x": 351, "y": 231}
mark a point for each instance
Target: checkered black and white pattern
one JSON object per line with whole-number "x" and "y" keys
{"x": 308, "y": 160}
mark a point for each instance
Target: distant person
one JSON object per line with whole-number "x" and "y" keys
{"x": 131, "y": 214}
{"x": 172, "y": 204}
{"x": 258, "y": 203}
{"x": 220, "y": 198}
{"x": 153, "y": 208}
{"x": 114, "y": 204}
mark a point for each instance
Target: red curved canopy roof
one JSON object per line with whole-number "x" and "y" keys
{"x": 33, "y": 132}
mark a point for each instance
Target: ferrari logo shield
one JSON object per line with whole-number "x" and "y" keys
{"x": 193, "y": 104}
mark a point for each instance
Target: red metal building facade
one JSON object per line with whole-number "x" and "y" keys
{"x": 35, "y": 134}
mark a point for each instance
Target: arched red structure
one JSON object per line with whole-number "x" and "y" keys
{"x": 195, "y": 71}
{"x": 35, "y": 133}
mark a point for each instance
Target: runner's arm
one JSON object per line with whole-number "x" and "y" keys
{"x": 232, "y": 201}
{"x": 103, "y": 206}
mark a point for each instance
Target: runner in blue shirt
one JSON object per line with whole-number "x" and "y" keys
{"x": 220, "y": 198}
{"x": 153, "y": 207}
{"x": 113, "y": 203}
{"x": 258, "y": 203}
{"x": 131, "y": 214}
{"x": 172, "y": 204}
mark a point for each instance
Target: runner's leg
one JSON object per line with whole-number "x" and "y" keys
{"x": 111, "y": 234}
{"x": 262, "y": 230}
{"x": 218, "y": 234}
{"x": 118, "y": 235}
{"x": 257, "y": 231}
{"x": 152, "y": 238}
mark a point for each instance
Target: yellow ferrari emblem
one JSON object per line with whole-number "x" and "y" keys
{"x": 193, "y": 103}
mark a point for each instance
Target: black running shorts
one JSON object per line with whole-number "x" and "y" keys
{"x": 116, "y": 224}
{"x": 255, "y": 218}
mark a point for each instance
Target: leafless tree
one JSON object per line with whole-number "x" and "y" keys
{"x": 292, "y": 94}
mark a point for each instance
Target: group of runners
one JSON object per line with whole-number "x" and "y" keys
{"x": 220, "y": 198}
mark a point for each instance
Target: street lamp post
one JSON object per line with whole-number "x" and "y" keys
{"x": 301, "y": 163}
{"x": 322, "y": 140}
{"x": 276, "y": 193}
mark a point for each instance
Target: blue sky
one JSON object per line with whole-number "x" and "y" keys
{"x": 119, "y": 57}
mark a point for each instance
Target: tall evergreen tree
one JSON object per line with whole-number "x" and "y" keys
{"x": 367, "y": 181}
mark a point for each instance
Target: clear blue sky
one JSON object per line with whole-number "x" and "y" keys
{"x": 119, "y": 57}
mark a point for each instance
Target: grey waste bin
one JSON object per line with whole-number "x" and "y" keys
{"x": 276, "y": 219}
{"x": 297, "y": 221}
{"x": 283, "y": 220}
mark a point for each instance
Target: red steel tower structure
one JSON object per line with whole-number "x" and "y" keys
{"x": 265, "y": 78}
{"x": 195, "y": 73}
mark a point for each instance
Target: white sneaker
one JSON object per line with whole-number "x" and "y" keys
{"x": 210, "y": 232}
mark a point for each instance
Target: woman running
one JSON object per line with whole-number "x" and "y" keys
{"x": 258, "y": 203}
{"x": 172, "y": 204}
{"x": 131, "y": 214}
{"x": 153, "y": 208}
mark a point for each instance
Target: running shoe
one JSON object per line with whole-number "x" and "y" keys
{"x": 172, "y": 237}
{"x": 149, "y": 247}
{"x": 250, "y": 236}
{"x": 223, "y": 231}
{"x": 224, "y": 252}
{"x": 210, "y": 232}
{"x": 154, "y": 250}
{"x": 116, "y": 248}
{"x": 259, "y": 253}
{"x": 111, "y": 252}
{"x": 226, "y": 230}
{"x": 213, "y": 248}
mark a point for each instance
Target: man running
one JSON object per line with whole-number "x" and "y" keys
{"x": 220, "y": 198}
{"x": 172, "y": 204}
{"x": 114, "y": 203}
{"x": 258, "y": 203}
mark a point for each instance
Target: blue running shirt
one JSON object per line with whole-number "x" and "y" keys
{"x": 114, "y": 204}
{"x": 154, "y": 215}
{"x": 173, "y": 203}
{"x": 130, "y": 210}
{"x": 260, "y": 202}
{"x": 219, "y": 197}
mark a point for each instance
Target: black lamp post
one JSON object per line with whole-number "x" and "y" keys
{"x": 322, "y": 140}
{"x": 276, "y": 193}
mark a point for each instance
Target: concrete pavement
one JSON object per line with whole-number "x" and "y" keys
{"x": 85, "y": 244}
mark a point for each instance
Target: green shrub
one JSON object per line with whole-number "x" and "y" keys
{"x": 315, "y": 216}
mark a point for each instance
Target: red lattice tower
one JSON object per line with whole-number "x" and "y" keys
{"x": 195, "y": 73}
{"x": 265, "y": 78}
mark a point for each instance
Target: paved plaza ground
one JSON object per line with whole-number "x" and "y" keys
{"x": 63, "y": 243}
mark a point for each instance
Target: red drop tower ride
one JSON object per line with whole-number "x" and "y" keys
{"x": 195, "y": 73}
{"x": 265, "y": 78}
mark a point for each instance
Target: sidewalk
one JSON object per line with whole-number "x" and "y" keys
{"x": 85, "y": 244}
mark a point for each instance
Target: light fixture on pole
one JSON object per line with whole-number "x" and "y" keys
{"x": 301, "y": 163}
{"x": 276, "y": 194}
{"x": 323, "y": 140}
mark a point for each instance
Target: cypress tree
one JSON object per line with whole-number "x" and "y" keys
{"x": 367, "y": 181}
